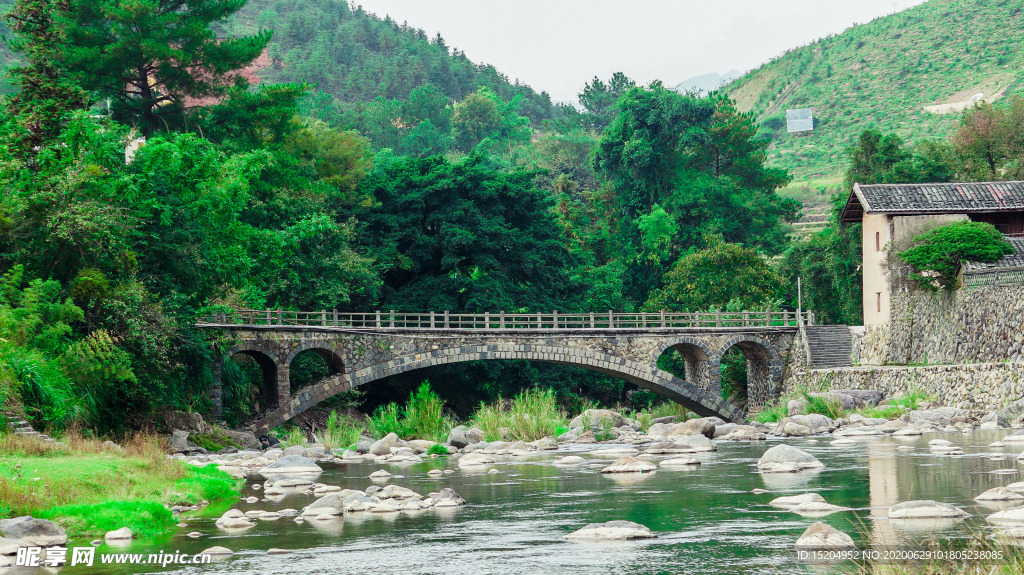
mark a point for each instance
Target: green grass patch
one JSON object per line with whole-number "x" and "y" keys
{"x": 144, "y": 518}
{"x": 823, "y": 405}
{"x": 883, "y": 411}
{"x": 437, "y": 449}
{"x": 772, "y": 414}
{"x": 213, "y": 441}
{"x": 90, "y": 489}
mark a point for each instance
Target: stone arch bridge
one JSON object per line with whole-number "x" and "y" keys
{"x": 362, "y": 348}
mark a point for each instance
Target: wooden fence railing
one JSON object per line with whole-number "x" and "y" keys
{"x": 435, "y": 321}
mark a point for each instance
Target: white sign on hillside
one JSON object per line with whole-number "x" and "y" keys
{"x": 800, "y": 120}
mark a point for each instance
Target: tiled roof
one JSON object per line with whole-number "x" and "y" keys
{"x": 941, "y": 198}
{"x": 1012, "y": 261}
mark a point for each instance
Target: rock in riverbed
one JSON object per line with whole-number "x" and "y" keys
{"x": 999, "y": 494}
{"x": 630, "y": 465}
{"x": 234, "y": 519}
{"x": 291, "y": 464}
{"x": 787, "y": 459}
{"x": 925, "y": 509}
{"x": 821, "y": 536}
{"x": 612, "y": 530}
{"x": 794, "y": 500}
{"x": 122, "y": 534}
{"x": 31, "y": 532}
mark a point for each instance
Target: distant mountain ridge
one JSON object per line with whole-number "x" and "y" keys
{"x": 884, "y": 74}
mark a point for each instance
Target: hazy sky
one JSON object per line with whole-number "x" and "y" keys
{"x": 559, "y": 45}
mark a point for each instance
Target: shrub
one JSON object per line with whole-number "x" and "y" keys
{"x": 422, "y": 417}
{"x": 939, "y": 252}
{"x": 437, "y": 449}
{"x": 386, "y": 419}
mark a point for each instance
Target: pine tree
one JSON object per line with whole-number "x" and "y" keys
{"x": 47, "y": 94}
{"x": 151, "y": 56}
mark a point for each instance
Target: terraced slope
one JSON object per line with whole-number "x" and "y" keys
{"x": 911, "y": 73}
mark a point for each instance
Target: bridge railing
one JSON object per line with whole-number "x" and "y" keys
{"x": 388, "y": 320}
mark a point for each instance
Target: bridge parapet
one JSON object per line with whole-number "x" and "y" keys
{"x": 501, "y": 321}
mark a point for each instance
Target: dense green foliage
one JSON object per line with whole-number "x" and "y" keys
{"x": 938, "y": 253}
{"x": 387, "y": 171}
{"x": 882, "y": 75}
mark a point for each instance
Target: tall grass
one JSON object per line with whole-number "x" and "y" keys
{"x": 421, "y": 418}
{"x": 671, "y": 409}
{"x": 824, "y": 405}
{"x": 48, "y": 394}
{"x": 341, "y": 432}
{"x": 772, "y": 413}
{"x": 533, "y": 414}
{"x": 293, "y": 436}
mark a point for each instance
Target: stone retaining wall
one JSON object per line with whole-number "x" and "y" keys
{"x": 982, "y": 324}
{"x": 978, "y": 386}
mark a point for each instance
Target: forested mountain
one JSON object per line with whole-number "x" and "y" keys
{"x": 910, "y": 73}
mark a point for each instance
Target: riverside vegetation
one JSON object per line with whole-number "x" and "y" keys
{"x": 91, "y": 487}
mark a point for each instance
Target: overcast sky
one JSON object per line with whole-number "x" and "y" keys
{"x": 559, "y": 45}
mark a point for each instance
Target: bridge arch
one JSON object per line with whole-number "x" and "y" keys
{"x": 764, "y": 367}
{"x": 298, "y": 374}
{"x": 647, "y": 376}
{"x": 700, "y": 361}
{"x": 270, "y": 395}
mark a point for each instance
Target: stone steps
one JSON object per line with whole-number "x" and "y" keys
{"x": 830, "y": 346}
{"x": 19, "y": 426}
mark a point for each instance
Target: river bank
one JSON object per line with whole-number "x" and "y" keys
{"x": 90, "y": 487}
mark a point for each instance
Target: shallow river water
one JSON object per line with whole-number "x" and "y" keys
{"x": 706, "y": 518}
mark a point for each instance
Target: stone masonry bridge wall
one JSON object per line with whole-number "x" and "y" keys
{"x": 357, "y": 358}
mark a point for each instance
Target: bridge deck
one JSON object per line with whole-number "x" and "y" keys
{"x": 391, "y": 321}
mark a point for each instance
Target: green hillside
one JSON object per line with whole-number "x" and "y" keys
{"x": 354, "y": 57}
{"x": 884, "y": 74}
{"x": 358, "y": 57}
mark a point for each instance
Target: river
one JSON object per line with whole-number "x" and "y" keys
{"x": 706, "y": 518}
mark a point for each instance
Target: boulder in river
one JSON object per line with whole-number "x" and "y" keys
{"x": 569, "y": 460}
{"x": 1000, "y": 494}
{"x": 925, "y": 509}
{"x": 787, "y": 459}
{"x": 611, "y": 530}
{"x": 794, "y": 500}
{"x": 447, "y": 498}
{"x": 384, "y": 445}
{"x": 291, "y": 464}
{"x": 31, "y": 532}
{"x": 234, "y": 519}
{"x": 744, "y": 433}
{"x": 630, "y": 465}
{"x": 475, "y": 460}
{"x": 217, "y": 550}
{"x": 122, "y": 534}
{"x": 679, "y": 462}
{"x": 821, "y": 536}
{"x": 1014, "y": 515}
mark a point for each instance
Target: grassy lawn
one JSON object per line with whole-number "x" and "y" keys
{"x": 90, "y": 488}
